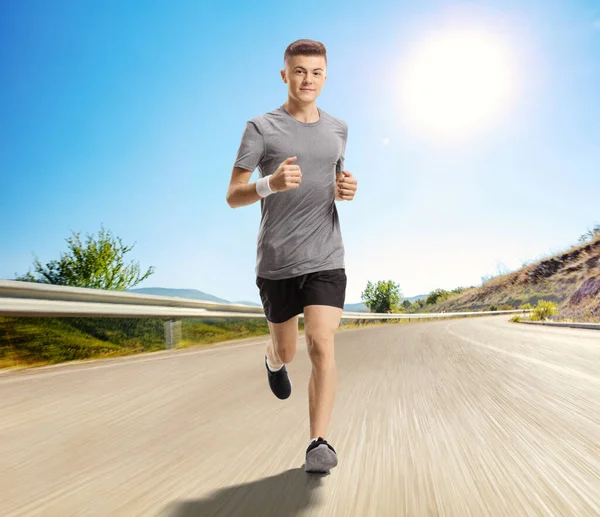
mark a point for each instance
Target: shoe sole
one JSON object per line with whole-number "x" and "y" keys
{"x": 320, "y": 460}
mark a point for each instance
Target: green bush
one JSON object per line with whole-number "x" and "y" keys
{"x": 526, "y": 306}
{"x": 437, "y": 296}
{"x": 516, "y": 318}
{"x": 544, "y": 310}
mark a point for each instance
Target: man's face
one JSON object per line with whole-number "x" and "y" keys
{"x": 305, "y": 76}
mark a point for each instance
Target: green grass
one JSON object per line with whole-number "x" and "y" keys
{"x": 41, "y": 341}
{"x": 37, "y": 341}
{"x": 198, "y": 332}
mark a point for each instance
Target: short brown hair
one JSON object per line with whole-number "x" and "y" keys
{"x": 305, "y": 47}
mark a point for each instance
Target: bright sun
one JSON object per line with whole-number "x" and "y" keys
{"x": 456, "y": 83}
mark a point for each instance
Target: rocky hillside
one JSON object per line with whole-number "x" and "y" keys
{"x": 571, "y": 279}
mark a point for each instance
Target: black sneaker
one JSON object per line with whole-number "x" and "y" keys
{"x": 320, "y": 457}
{"x": 279, "y": 382}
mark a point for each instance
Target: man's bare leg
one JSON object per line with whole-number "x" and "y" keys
{"x": 281, "y": 346}
{"x": 320, "y": 323}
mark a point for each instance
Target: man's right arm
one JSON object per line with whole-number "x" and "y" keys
{"x": 240, "y": 192}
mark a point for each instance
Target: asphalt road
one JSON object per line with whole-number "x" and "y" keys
{"x": 472, "y": 417}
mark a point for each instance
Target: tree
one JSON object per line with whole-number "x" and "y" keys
{"x": 97, "y": 263}
{"x": 382, "y": 297}
{"x": 406, "y": 304}
{"x": 439, "y": 295}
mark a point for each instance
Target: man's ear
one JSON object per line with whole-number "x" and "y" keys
{"x": 283, "y": 77}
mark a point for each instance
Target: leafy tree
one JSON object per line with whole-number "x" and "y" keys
{"x": 96, "y": 263}
{"x": 406, "y": 304}
{"x": 439, "y": 295}
{"x": 384, "y": 296}
{"x": 418, "y": 304}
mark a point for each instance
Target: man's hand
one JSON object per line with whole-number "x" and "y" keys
{"x": 286, "y": 177}
{"x": 346, "y": 186}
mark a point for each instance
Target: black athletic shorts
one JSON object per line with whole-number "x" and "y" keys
{"x": 286, "y": 298}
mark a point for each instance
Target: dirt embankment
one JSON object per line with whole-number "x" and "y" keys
{"x": 571, "y": 279}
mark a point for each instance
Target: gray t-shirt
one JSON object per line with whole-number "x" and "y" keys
{"x": 299, "y": 228}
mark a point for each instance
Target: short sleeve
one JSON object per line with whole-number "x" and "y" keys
{"x": 339, "y": 166}
{"x": 252, "y": 147}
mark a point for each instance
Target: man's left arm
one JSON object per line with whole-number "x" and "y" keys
{"x": 345, "y": 186}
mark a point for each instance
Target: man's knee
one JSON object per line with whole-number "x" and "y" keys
{"x": 320, "y": 348}
{"x": 285, "y": 350}
{"x": 284, "y": 337}
{"x": 286, "y": 354}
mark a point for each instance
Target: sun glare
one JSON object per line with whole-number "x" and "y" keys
{"x": 456, "y": 83}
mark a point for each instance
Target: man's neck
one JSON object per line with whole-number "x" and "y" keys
{"x": 303, "y": 112}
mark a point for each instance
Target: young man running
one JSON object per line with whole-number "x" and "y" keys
{"x": 299, "y": 150}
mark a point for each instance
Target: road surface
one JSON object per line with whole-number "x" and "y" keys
{"x": 470, "y": 417}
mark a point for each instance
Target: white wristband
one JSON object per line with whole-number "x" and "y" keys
{"x": 263, "y": 188}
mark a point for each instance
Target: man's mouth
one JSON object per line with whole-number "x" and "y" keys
{"x": 306, "y": 90}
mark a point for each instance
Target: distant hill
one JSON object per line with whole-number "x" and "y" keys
{"x": 195, "y": 294}
{"x": 413, "y": 299}
{"x": 356, "y": 307}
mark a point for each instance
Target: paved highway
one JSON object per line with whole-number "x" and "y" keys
{"x": 470, "y": 417}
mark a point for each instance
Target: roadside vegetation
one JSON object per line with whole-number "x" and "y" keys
{"x": 561, "y": 287}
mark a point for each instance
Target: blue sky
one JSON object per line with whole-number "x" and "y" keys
{"x": 129, "y": 114}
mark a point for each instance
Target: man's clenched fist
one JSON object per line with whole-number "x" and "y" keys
{"x": 286, "y": 177}
{"x": 345, "y": 187}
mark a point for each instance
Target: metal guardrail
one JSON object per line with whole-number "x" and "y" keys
{"x": 33, "y": 299}
{"x": 569, "y": 324}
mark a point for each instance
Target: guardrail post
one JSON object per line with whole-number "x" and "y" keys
{"x": 172, "y": 333}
